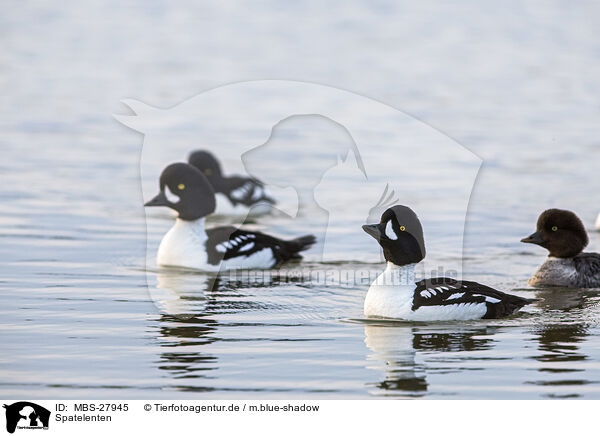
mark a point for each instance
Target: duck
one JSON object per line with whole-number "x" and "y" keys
{"x": 189, "y": 244}
{"x": 396, "y": 294}
{"x": 236, "y": 195}
{"x": 563, "y": 234}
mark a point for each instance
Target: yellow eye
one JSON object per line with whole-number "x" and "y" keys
{"x": 208, "y": 171}
{"x": 402, "y": 228}
{"x": 554, "y": 229}
{"x": 181, "y": 186}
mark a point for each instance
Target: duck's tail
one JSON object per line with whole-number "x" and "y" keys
{"x": 514, "y": 304}
{"x": 509, "y": 305}
{"x": 302, "y": 243}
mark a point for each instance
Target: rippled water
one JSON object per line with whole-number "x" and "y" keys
{"x": 517, "y": 86}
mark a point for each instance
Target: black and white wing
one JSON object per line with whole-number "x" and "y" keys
{"x": 228, "y": 243}
{"x": 247, "y": 191}
{"x": 587, "y": 266}
{"x": 446, "y": 291}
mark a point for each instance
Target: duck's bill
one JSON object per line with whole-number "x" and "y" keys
{"x": 373, "y": 230}
{"x": 536, "y": 238}
{"x": 159, "y": 200}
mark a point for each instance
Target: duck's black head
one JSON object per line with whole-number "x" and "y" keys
{"x": 560, "y": 232}
{"x": 400, "y": 234}
{"x": 208, "y": 164}
{"x": 185, "y": 189}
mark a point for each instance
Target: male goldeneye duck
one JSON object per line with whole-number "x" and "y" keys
{"x": 235, "y": 194}
{"x": 563, "y": 234}
{"x": 394, "y": 294}
{"x": 188, "y": 244}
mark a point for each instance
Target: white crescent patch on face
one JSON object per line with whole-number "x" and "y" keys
{"x": 389, "y": 231}
{"x": 173, "y": 198}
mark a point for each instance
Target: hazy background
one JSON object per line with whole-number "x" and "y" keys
{"x": 514, "y": 82}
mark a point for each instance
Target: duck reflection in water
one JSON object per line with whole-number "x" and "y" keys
{"x": 561, "y": 373}
{"x": 558, "y": 343}
{"x": 185, "y": 326}
{"x": 396, "y": 350}
{"x": 393, "y": 353}
{"x": 189, "y": 302}
{"x": 568, "y": 299}
{"x": 198, "y": 312}
{"x": 187, "y": 293}
{"x": 186, "y": 340}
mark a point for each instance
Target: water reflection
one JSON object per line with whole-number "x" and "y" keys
{"x": 560, "y": 357}
{"x": 186, "y": 338}
{"x": 396, "y": 351}
{"x": 182, "y": 293}
{"x": 410, "y": 360}
{"x": 471, "y": 340}
{"x": 186, "y": 328}
{"x": 558, "y": 343}
{"x": 561, "y": 371}
{"x": 186, "y": 293}
{"x": 393, "y": 353}
{"x": 197, "y": 311}
{"x": 561, "y": 298}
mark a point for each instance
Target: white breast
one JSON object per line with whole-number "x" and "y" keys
{"x": 391, "y": 294}
{"x": 598, "y": 222}
{"x": 185, "y": 246}
{"x": 388, "y": 302}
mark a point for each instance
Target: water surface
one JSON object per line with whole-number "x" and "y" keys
{"x": 517, "y": 86}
